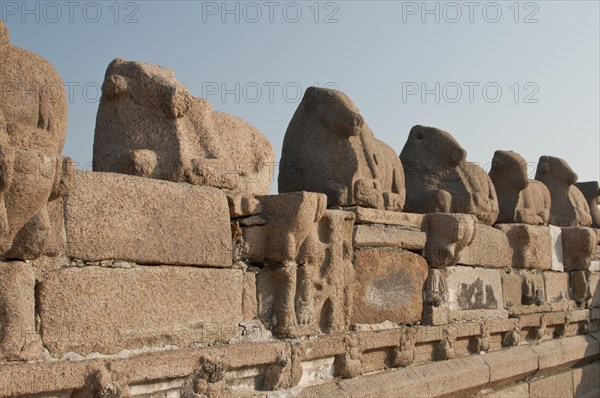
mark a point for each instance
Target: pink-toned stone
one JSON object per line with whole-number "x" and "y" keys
{"x": 489, "y": 248}
{"x": 365, "y": 215}
{"x": 586, "y": 380}
{"x": 440, "y": 180}
{"x": 329, "y": 148}
{"x": 569, "y": 208}
{"x": 249, "y": 303}
{"x": 560, "y": 385}
{"x": 520, "y": 199}
{"x": 19, "y": 340}
{"x": 377, "y": 235}
{"x": 119, "y": 217}
{"x": 149, "y": 125}
{"x": 447, "y": 235}
{"x": 579, "y": 245}
{"x": 388, "y": 286}
{"x": 96, "y": 309}
{"x": 557, "y": 286}
{"x": 530, "y": 245}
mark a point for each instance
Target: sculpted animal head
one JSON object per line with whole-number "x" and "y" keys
{"x": 552, "y": 168}
{"x": 591, "y": 191}
{"x": 149, "y": 86}
{"x": 335, "y": 109}
{"x": 431, "y": 143}
{"x": 511, "y": 168}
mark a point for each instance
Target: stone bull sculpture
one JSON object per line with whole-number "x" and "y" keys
{"x": 521, "y": 200}
{"x": 33, "y": 121}
{"x": 569, "y": 206}
{"x": 440, "y": 180}
{"x": 329, "y": 148}
{"x": 591, "y": 192}
{"x": 149, "y": 125}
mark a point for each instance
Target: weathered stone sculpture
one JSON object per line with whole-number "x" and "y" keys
{"x": 33, "y": 118}
{"x": 521, "y": 200}
{"x": 311, "y": 247}
{"x": 447, "y": 236}
{"x": 579, "y": 244}
{"x": 569, "y": 206}
{"x": 149, "y": 125}
{"x": 591, "y": 192}
{"x": 329, "y": 148}
{"x": 440, "y": 180}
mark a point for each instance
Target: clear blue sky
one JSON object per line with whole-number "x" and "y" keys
{"x": 381, "y": 53}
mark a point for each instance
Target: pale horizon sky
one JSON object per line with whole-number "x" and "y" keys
{"x": 533, "y": 67}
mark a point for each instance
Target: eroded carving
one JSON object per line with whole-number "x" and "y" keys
{"x": 329, "y": 148}
{"x": 404, "y": 354}
{"x": 591, "y": 192}
{"x": 521, "y": 200}
{"x": 569, "y": 207}
{"x": 436, "y": 288}
{"x": 32, "y": 134}
{"x": 579, "y": 245}
{"x": 512, "y": 338}
{"x": 440, "y": 180}
{"x": 349, "y": 364}
{"x": 541, "y": 331}
{"x": 483, "y": 340}
{"x": 102, "y": 383}
{"x": 209, "y": 380}
{"x": 447, "y": 236}
{"x": 149, "y": 125}
{"x": 445, "y": 349}
{"x": 310, "y": 271}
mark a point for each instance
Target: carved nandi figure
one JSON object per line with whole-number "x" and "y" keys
{"x": 33, "y": 122}
{"x": 569, "y": 207}
{"x": 329, "y": 148}
{"x": 149, "y": 125}
{"x": 591, "y": 192}
{"x": 521, "y": 200}
{"x": 440, "y": 180}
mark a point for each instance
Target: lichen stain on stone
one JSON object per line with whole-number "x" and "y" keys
{"x": 389, "y": 292}
{"x": 476, "y": 296}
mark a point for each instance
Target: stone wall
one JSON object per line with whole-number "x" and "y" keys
{"x": 173, "y": 278}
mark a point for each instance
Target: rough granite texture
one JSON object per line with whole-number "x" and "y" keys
{"x": 521, "y": 200}
{"x": 120, "y": 217}
{"x": 149, "y": 125}
{"x": 96, "y": 309}
{"x": 33, "y": 127}
{"x": 329, "y": 148}
{"x": 388, "y": 286}
{"x": 569, "y": 207}
{"x": 439, "y": 179}
{"x": 531, "y": 245}
{"x": 18, "y": 338}
{"x": 134, "y": 286}
{"x": 489, "y": 248}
